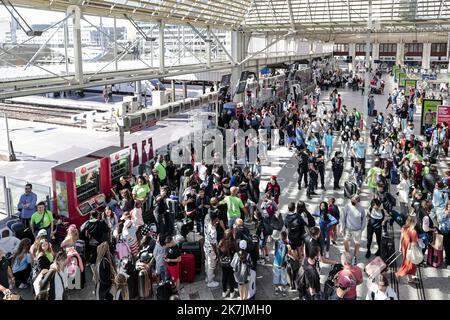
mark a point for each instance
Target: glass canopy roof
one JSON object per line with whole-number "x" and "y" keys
{"x": 309, "y": 16}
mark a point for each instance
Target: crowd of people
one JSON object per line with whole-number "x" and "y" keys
{"x": 149, "y": 228}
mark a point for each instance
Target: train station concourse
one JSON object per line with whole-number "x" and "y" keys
{"x": 226, "y": 150}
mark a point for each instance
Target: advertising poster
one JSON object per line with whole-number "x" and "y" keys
{"x": 410, "y": 83}
{"x": 401, "y": 79}
{"x": 443, "y": 114}
{"x": 61, "y": 199}
{"x": 429, "y": 113}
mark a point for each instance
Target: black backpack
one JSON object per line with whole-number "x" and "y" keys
{"x": 295, "y": 228}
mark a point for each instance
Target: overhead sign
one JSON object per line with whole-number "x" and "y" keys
{"x": 429, "y": 113}
{"x": 427, "y": 76}
{"x": 443, "y": 114}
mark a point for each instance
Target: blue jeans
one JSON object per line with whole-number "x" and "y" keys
{"x": 325, "y": 235}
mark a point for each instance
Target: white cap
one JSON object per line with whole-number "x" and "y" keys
{"x": 243, "y": 245}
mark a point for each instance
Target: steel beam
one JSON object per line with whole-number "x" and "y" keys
{"x": 77, "y": 48}
{"x": 208, "y": 47}
{"x": 161, "y": 47}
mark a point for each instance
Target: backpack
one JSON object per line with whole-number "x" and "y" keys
{"x": 122, "y": 250}
{"x": 294, "y": 228}
{"x": 270, "y": 209}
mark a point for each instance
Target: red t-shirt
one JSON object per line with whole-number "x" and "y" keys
{"x": 355, "y": 273}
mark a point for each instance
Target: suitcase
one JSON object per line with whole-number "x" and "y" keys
{"x": 435, "y": 258}
{"x": 195, "y": 249}
{"x": 350, "y": 189}
{"x": 187, "y": 267}
{"x": 387, "y": 247}
{"x": 133, "y": 284}
{"x": 379, "y": 265}
{"x": 144, "y": 284}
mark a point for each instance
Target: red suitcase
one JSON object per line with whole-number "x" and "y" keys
{"x": 187, "y": 267}
{"x": 435, "y": 258}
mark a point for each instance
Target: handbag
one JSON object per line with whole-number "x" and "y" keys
{"x": 438, "y": 241}
{"x": 414, "y": 254}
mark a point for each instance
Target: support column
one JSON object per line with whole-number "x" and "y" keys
{"x": 352, "y": 53}
{"x": 375, "y": 53}
{"x": 66, "y": 45}
{"x": 78, "y": 57}
{"x": 368, "y": 64}
{"x": 236, "y": 53}
{"x": 400, "y": 59}
{"x": 208, "y": 47}
{"x": 161, "y": 47}
{"x": 426, "y": 56}
{"x": 116, "y": 66}
{"x": 138, "y": 90}
{"x": 174, "y": 96}
{"x": 185, "y": 92}
{"x": 204, "y": 87}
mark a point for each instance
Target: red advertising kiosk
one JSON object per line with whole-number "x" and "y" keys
{"x": 115, "y": 162}
{"x": 77, "y": 189}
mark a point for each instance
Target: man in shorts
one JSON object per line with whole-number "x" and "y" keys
{"x": 353, "y": 222}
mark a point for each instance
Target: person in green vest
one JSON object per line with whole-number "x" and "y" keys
{"x": 42, "y": 219}
{"x": 372, "y": 175}
{"x": 160, "y": 166}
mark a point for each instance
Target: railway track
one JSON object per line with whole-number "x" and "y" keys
{"x": 53, "y": 115}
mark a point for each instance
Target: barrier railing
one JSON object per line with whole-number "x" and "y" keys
{"x": 11, "y": 190}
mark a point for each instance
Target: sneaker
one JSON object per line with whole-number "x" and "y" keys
{"x": 283, "y": 293}
{"x": 333, "y": 242}
{"x": 277, "y": 291}
{"x": 212, "y": 284}
{"x": 23, "y": 286}
{"x": 354, "y": 261}
{"x": 368, "y": 254}
{"x": 377, "y": 253}
{"x": 267, "y": 259}
{"x": 224, "y": 294}
{"x": 233, "y": 295}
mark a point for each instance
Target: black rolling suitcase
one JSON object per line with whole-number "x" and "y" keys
{"x": 350, "y": 189}
{"x": 195, "y": 249}
{"x": 133, "y": 284}
{"x": 387, "y": 247}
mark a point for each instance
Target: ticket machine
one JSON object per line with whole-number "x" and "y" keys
{"x": 115, "y": 162}
{"x": 77, "y": 189}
